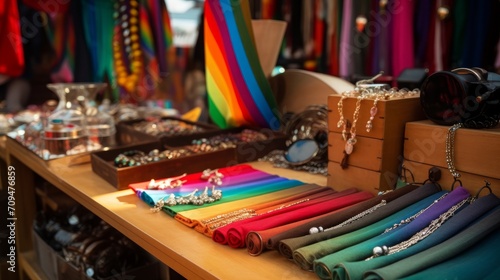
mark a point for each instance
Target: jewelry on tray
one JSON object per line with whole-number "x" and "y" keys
{"x": 136, "y": 157}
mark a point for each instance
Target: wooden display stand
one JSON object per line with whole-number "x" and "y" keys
{"x": 477, "y": 152}
{"x": 373, "y": 165}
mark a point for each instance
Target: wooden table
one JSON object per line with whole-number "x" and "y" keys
{"x": 184, "y": 250}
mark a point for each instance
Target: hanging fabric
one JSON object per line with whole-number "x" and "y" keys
{"x": 238, "y": 92}
{"x": 12, "y": 63}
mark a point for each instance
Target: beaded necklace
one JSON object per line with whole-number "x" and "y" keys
{"x": 128, "y": 58}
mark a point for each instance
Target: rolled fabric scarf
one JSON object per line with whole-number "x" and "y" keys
{"x": 256, "y": 241}
{"x": 332, "y": 219}
{"x": 447, "y": 255}
{"x": 305, "y": 256}
{"x": 457, "y": 223}
{"x": 241, "y": 191}
{"x": 493, "y": 273}
{"x": 474, "y": 263}
{"x": 323, "y": 267}
{"x": 231, "y": 174}
{"x": 152, "y": 196}
{"x": 221, "y": 215}
{"x": 289, "y": 245}
{"x": 236, "y": 236}
{"x": 221, "y": 234}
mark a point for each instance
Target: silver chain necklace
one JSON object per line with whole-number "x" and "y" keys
{"x": 450, "y": 150}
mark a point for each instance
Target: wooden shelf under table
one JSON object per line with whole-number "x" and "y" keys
{"x": 29, "y": 263}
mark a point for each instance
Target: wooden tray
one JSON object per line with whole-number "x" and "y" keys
{"x": 129, "y": 135}
{"x": 121, "y": 178}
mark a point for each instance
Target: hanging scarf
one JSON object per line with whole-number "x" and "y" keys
{"x": 62, "y": 36}
{"x": 12, "y": 63}
{"x": 238, "y": 92}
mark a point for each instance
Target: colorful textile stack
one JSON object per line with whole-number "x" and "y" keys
{"x": 410, "y": 232}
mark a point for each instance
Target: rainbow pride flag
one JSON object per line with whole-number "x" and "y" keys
{"x": 239, "y": 93}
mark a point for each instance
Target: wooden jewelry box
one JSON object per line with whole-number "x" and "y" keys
{"x": 373, "y": 163}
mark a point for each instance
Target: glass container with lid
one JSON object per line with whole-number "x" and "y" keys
{"x": 65, "y": 128}
{"x": 100, "y": 125}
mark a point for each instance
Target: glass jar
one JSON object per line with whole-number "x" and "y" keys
{"x": 65, "y": 128}
{"x": 100, "y": 125}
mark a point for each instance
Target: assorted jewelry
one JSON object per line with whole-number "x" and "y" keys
{"x": 310, "y": 125}
{"x": 432, "y": 227}
{"x": 167, "y": 127}
{"x": 342, "y": 121}
{"x": 409, "y": 219}
{"x": 373, "y": 112}
{"x": 225, "y": 219}
{"x": 349, "y": 145}
{"x": 370, "y": 210}
{"x": 170, "y": 183}
{"x": 365, "y": 90}
{"x": 209, "y": 195}
{"x": 192, "y": 198}
{"x": 238, "y": 215}
{"x": 450, "y": 150}
{"x": 214, "y": 177}
{"x": 136, "y": 157}
{"x": 225, "y": 141}
{"x": 277, "y": 158}
{"x": 203, "y": 145}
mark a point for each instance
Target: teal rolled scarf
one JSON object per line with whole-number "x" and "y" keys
{"x": 288, "y": 246}
{"x": 469, "y": 254}
{"x": 324, "y": 266}
{"x": 460, "y": 221}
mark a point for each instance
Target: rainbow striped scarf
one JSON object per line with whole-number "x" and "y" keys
{"x": 238, "y": 92}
